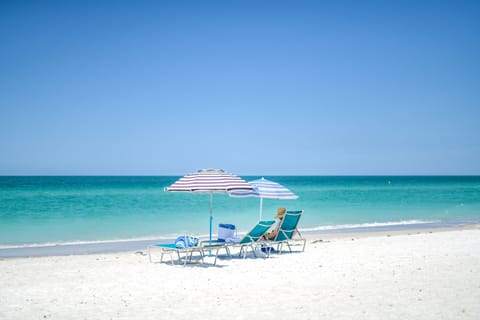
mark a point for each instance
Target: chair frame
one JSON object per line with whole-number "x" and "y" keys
{"x": 282, "y": 232}
{"x": 248, "y": 241}
{"x": 171, "y": 250}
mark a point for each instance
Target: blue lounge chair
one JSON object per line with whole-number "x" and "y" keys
{"x": 172, "y": 249}
{"x": 248, "y": 241}
{"x": 286, "y": 232}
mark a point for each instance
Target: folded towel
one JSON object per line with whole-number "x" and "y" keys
{"x": 183, "y": 242}
{"x": 232, "y": 240}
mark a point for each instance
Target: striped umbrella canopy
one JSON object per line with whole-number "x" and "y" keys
{"x": 210, "y": 181}
{"x": 264, "y": 188}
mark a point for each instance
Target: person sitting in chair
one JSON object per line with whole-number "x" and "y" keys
{"x": 271, "y": 235}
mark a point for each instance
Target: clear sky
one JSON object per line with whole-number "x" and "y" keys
{"x": 253, "y": 87}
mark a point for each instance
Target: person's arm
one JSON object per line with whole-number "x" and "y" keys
{"x": 274, "y": 233}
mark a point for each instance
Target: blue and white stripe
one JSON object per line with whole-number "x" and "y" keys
{"x": 264, "y": 188}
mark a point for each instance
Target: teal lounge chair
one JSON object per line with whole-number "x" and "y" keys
{"x": 172, "y": 250}
{"x": 248, "y": 241}
{"x": 288, "y": 229}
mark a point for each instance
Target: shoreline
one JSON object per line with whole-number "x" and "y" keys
{"x": 119, "y": 246}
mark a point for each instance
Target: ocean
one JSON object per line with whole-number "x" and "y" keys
{"x": 37, "y": 210}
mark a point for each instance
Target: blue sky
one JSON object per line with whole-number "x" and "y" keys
{"x": 254, "y": 87}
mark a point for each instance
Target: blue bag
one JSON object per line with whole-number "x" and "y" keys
{"x": 267, "y": 249}
{"x": 226, "y": 231}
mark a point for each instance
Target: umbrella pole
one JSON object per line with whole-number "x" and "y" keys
{"x": 211, "y": 220}
{"x": 261, "y": 209}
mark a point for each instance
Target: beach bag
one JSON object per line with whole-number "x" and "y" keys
{"x": 226, "y": 231}
{"x": 267, "y": 249}
{"x": 183, "y": 242}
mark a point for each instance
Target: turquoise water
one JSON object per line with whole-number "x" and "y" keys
{"x": 39, "y": 210}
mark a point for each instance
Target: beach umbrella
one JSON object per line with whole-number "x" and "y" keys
{"x": 264, "y": 188}
{"x": 210, "y": 181}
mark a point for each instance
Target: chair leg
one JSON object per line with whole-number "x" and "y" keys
{"x": 216, "y": 256}
{"x": 171, "y": 258}
{"x": 280, "y": 247}
{"x": 244, "y": 252}
{"x": 253, "y": 250}
{"x": 227, "y": 251}
{"x": 269, "y": 250}
{"x": 289, "y": 247}
{"x": 185, "y": 259}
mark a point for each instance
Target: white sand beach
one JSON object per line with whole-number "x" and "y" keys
{"x": 421, "y": 275}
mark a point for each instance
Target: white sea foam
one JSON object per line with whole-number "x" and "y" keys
{"x": 154, "y": 238}
{"x": 73, "y": 243}
{"x": 368, "y": 225}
